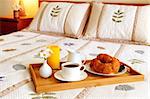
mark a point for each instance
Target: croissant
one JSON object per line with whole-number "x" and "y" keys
{"x": 106, "y": 64}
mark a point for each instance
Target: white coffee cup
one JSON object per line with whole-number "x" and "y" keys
{"x": 72, "y": 71}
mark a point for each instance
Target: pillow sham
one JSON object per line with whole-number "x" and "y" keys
{"x": 118, "y": 22}
{"x": 61, "y": 18}
{"x": 34, "y": 25}
{"x": 142, "y": 27}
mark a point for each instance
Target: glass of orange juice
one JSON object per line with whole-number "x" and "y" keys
{"x": 54, "y": 58}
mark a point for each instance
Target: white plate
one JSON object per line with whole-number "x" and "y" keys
{"x": 58, "y": 76}
{"x": 88, "y": 68}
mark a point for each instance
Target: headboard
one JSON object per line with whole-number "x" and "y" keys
{"x": 132, "y": 2}
{"x": 74, "y": 1}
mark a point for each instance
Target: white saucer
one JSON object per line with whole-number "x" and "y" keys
{"x": 58, "y": 76}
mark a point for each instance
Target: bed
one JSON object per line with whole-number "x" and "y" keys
{"x": 22, "y": 47}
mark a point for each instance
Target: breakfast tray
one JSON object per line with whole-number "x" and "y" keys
{"x": 52, "y": 84}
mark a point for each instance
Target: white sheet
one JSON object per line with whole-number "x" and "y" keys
{"x": 16, "y": 37}
{"x": 25, "y": 46}
{"x": 88, "y": 48}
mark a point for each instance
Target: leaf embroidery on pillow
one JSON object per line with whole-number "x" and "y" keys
{"x": 117, "y": 16}
{"x": 55, "y": 11}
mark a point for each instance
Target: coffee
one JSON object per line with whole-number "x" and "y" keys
{"x": 71, "y": 71}
{"x": 71, "y": 65}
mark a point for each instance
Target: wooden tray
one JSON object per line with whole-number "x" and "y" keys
{"x": 52, "y": 84}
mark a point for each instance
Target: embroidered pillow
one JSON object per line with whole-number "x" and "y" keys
{"x": 142, "y": 28}
{"x": 36, "y": 21}
{"x": 118, "y": 22}
{"x": 61, "y": 18}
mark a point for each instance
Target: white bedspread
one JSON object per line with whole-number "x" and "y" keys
{"x": 26, "y": 45}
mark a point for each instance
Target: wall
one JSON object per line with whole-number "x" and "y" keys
{"x": 31, "y": 6}
{"x": 6, "y": 7}
{"x": 128, "y": 1}
{"x": 111, "y": 1}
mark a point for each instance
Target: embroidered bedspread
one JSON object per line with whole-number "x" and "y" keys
{"x": 19, "y": 49}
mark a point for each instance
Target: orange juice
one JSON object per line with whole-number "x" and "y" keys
{"x": 54, "y": 58}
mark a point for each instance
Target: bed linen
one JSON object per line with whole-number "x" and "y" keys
{"x": 122, "y": 22}
{"x": 110, "y": 28}
{"x": 16, "y": 36}
{"x": 61, "y": 18}
{"x": 26, "y": 49}
{"x": 49, "y": 22}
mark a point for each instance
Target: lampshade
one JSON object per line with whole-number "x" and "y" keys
{"x": 30, "y": 7}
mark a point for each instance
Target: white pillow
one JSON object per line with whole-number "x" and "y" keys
{"x": 76, "y": 19}
{"x": 35, "y": 22}
{"x": 142, "y": 28}
{"x": 116, "y": 22}
{"x": 54, "y": 17}
{"x": 61, "y": 18}
{"x": 119, "y": 22}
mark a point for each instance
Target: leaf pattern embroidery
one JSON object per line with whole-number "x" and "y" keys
{"x": 136, "y": 61}
{"x": 124, "y": 87}
{"x": 117, "y": 17}
{"x": 139, "y": 51}
{"x": 68, "y": 44}
{"x": 26, "y": 44}
{"x": 93, "y": 54}
{"x": 55, "y": 11}
{"x": 41, "y": 40}
{"x": 19, "y": 67}
{"x": 19, "y": 35}
{"x": 100, "y": 47}
{"x": 1, "y": 39}
{"x": 44, "y": 96}
{"x": 8, "y": 50}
